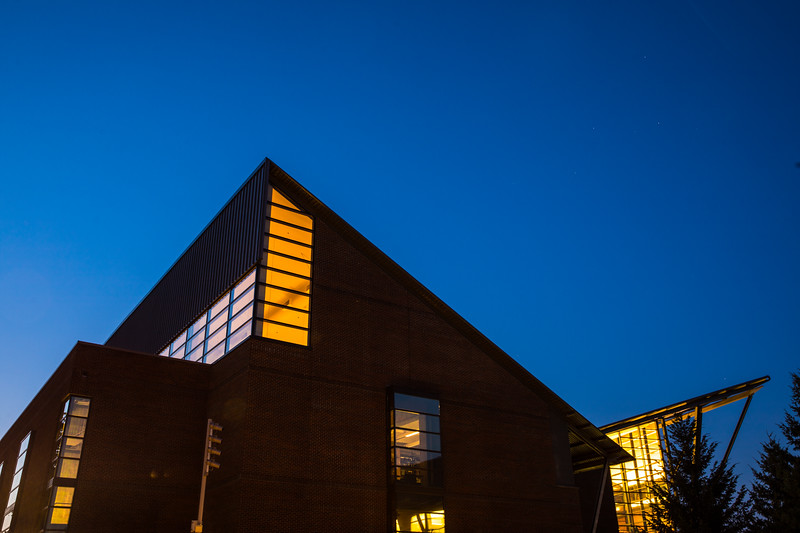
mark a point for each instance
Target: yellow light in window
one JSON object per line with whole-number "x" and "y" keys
{"x": 64, "y": 496}
{"x": 68, "y": 468}
{"x": 286, "y": 281}
{"x": 289, "y": 265}
{"x": 290, "y": 232}
{"x": 290, "y": 299}
{"x": 282, "y": 333}
{"x": 60, "y": 516}
{"x": 289, "y": 248}
{"x": 278, "y": 198}
{"x": 291, "y": 217}
{"x": 286, "y": 316}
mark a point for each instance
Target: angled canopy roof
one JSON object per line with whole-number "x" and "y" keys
{"x": 706, "y": 402}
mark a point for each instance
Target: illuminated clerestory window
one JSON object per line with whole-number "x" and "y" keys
{"x": 416, "y": 464}
{"x": 284, "y": 298}
{"x": 13, "y": 496}
{"x": 272, "y": 300}
{"x": 66, "y": 460}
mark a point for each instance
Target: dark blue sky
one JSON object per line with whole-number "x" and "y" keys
{"x": 607, "y": 191}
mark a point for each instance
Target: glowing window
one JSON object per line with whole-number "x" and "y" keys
{"x": 287, "y": 281}
{"x": 280, "y": 199}
{"x": 631, "y": 481}
{"x": 291, "y": 217}
{"x": 419, "y": 513}
{"x": 416, "y": 459}
{"x": 282, "y": 333}
{"x": 286, "y": 298}
{"x": 280, "y": 287}
{"x": 289, "y": 248}
{"x": 284, "y": 315}
{"x": 284, "y": 284}
{"x": 69, "y": 447}
{"x": 60, "y": 506}
{"x": 289, "y": 265}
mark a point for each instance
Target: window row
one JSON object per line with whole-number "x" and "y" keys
{"x": 8, "y": 514}
{"x": 66, "y": 460}
{"x": 272, "y": 301}
{"x": 220, "y": 328}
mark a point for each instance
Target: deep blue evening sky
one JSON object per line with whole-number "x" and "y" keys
{"x": 608, "y": 190}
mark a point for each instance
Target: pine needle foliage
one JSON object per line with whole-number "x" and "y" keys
{"x": 700, "y": 495}
{"x": 775, "y": 492}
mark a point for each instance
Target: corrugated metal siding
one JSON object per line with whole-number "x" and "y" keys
{"x": 226, "y": 249}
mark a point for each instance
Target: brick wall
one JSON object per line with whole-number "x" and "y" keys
{"x": 305, "y": 438}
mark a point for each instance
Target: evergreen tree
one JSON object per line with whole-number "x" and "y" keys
{"x": 791, "y": 418}
{"x": 700, "y": 494}
{"x": 776, "y": 487}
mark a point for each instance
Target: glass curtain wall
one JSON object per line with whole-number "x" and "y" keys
{"x": 416, "y": 464}
{"x": 631, "y": 480}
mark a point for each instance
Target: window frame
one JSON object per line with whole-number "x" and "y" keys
{"x": 412, "y": 490}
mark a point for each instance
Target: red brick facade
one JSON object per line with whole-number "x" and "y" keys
{"x": 306, "y": 429}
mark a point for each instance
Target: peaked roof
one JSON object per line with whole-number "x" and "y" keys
{"x": 229, "y": 245}
{"x": 590, "y": 447}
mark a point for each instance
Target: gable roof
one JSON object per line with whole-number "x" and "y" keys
{"x": 232, "y": 242}
{"x": 590, "y": 447}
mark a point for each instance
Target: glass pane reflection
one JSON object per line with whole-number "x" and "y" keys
{"x": 79, "y": 406}
{"x": 72, "y": 448}
{"x": 416, "y": 403}
{"x": 76, "y": 427}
